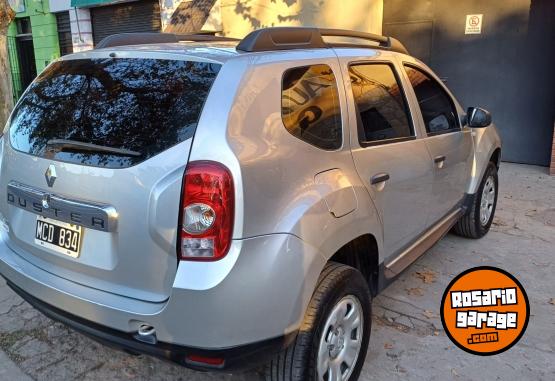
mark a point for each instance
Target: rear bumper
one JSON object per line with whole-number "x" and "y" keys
{"x": 258, "y": 295}
{"x": 245, "y": 356}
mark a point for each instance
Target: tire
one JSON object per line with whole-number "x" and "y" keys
{"x": 338, "y": 286}
{"x": 471, "y": 225}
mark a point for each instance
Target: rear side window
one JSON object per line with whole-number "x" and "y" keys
{"x": 438, "y": 110}
{"x": 135, "y": 108}
{"x": 380, "y": 102}
{"x": 310, "y": 106}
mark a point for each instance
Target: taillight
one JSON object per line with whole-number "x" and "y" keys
{"x": 207, "y": 212}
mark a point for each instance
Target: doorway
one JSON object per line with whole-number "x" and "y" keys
{"x": 25, "y": 52}
{"x": 26, "y": 55}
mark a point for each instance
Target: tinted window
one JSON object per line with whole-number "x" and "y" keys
{"x": 380, "y": 103}
{"x": 437, "y": 108}
{"x": 141, "y": 105}
{"x": 310, "y": 106}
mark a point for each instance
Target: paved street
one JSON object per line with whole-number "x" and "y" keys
{"x": 407, "y": 341}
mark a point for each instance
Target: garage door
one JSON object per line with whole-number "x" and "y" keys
{"x": 137, "y": 16}
{"x": 507, "y": 68}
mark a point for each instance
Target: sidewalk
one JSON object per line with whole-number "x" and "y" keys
{"x": 10, "y": 371}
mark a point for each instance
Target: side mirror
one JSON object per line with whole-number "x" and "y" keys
{"x": 478, "y": 117}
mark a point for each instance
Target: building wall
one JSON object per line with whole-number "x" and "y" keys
{"x": 45, "y": 38}
{"x": 14, "y": 62}
{"x": 243, "y": 16}
{"x": 59, "y": 5}
{"x": 186, "y": 16}
{"x": 552, "y": 167}
{"x": 168, "y": 8}
{"x": 505, "y": 69}
{"x": 81, "y": 29}
{"x": 44, "y": 29}
{"x": 236, "y": 18}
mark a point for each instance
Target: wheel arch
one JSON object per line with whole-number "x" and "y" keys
{"x": 496, "y": 157}
{"x": 361, "y": 253}
{"x": 487, "y": 147}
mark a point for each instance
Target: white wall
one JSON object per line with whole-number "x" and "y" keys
{"x": 81, "y": 29}
{"x": 168, "y": 7}
{"x": 236, "y": 18}
{"x": 59, "y": 5}
{"x": 240, "y": 17}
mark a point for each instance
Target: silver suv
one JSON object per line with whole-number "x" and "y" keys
{"x": 224, "y": 203}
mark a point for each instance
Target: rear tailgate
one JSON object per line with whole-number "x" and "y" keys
{"x": 98, "y": 147}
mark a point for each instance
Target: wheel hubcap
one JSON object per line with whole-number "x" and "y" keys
{"x": 487, "y": 201}
{"x": 341, "y": 341}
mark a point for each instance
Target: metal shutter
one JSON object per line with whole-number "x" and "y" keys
{"x": 138, "y": 16}
{"x": 64, "y": 33}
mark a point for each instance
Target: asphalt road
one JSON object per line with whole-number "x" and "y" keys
{"x": 408, "y": 341}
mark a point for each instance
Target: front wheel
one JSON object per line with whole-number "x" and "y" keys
{"x": 333, "y": 339}
{"x": 477, "y": 220}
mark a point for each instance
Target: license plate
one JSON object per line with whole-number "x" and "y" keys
{"x": 59, "y": 236}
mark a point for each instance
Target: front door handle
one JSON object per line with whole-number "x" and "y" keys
{"x": 379, "y": 178}
{"x": 439, "y": 161}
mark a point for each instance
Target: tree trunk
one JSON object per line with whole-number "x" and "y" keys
{"x": 6, "y": 96}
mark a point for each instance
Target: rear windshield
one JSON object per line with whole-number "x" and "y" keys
{"x": 111, "y": 112}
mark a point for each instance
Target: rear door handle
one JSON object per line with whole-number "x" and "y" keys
{"x": 379, "y": 178}
{"x": 439, "y": 159}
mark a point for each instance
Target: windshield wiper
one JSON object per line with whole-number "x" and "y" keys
{"x": 74, "y": 145}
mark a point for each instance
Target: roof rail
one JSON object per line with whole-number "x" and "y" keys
{"x": 122, "y": 39}
{"x": 285, "y": 38}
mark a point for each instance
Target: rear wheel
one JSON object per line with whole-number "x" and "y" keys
{"x": 477, "y": 221}
{"x": 333, "y": 340}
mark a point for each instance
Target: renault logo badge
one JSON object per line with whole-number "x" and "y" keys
{"x": 50, "y": 175}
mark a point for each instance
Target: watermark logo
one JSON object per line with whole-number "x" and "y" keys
{"x": 485, "y": 311}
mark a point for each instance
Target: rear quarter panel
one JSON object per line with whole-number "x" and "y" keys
{"x": 278, "y": 192}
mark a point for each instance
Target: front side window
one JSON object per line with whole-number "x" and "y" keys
{"x": 380, "y": 103}
{"x": 310, "y": 106}
{"x": 438, "y": 110}
{"x": 111, "y": 112}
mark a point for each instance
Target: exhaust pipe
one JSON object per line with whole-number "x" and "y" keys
{"x": 146, "y": 334}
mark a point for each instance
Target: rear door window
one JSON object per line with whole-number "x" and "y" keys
{"x": 111, "y": 112}
{"x": 383, "y": 115}
{"x": 310, "y": 106}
